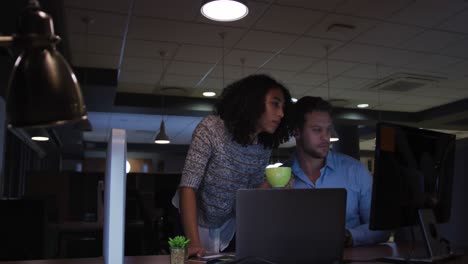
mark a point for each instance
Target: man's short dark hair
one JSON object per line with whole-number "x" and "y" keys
{"x": 306, "y": 105}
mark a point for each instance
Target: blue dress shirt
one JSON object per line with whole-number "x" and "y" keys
{"x": 342, "y": 171}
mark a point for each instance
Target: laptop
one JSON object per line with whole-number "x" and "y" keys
{"x": 290, "y": 225}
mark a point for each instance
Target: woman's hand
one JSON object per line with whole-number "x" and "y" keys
{"x": 196, "y": 250}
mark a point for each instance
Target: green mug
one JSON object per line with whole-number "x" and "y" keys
{"x": 278, "y": 177}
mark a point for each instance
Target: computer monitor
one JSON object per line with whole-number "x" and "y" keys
{"x": 412, "y": 181}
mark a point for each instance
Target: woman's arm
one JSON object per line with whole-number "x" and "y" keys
{"x": 188, "y": 211}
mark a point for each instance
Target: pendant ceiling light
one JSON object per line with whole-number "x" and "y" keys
{"x": 334, "y": 135}
{"x": 43, "y": 90}
{"x": 162, "y": 137}
{"x": 224, "y": 10}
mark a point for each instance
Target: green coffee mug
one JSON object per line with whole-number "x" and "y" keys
{"x": 279, "y": 176}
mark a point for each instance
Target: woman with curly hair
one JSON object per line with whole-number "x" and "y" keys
{"x": 230, "y": 150}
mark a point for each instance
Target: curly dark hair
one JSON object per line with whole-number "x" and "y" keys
{"x": 303, "y": 106}
{"x": 241, "y": 105}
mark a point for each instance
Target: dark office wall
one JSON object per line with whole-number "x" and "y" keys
{"x": 456, "y": 230}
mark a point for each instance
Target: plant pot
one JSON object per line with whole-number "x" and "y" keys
{"x": 178, "y": 255}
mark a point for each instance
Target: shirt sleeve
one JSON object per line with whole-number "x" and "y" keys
{"x": 198, "y": 156}
{"x": 362, "y": 235}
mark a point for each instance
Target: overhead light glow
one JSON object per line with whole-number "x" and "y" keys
{"x": 209, "y": 94}
{"x": 40, "y": 138}
{"x": 363, "y": 105}
{"x": 293, "y": 100}
{"x": 224, "y": 10}
{"x": 334, "y": 139}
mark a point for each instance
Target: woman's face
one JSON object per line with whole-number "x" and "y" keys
{"x": 274, "y": 111}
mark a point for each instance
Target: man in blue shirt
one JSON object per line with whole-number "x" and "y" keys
{"x": 315, "y": 166}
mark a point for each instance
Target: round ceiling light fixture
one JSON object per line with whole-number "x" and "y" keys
{"x": 209, "y": 94}
{"x": 224, "y": 10}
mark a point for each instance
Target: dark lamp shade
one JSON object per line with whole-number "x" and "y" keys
{"x": 43, "y": 90}
{"x": 162, "y": 137}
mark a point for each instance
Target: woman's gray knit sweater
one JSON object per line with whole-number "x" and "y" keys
{"x": 216, "y": 166}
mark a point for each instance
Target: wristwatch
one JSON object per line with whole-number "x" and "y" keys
{"x": 348, "y": 239}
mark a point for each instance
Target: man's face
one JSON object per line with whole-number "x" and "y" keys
{"x": 314, "y": 138}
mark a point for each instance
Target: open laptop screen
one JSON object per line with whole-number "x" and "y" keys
{"x": 291, "y": 225}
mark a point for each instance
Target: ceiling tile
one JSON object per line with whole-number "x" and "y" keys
{"x": 432, "y": 41}
{"x": 107, "y": 24}
{"x": 388, "y": 35}
{"x": 457, "y": 49}
{"x": 325, "y": 28}
{"x": 428, "y": 13}
{"x": 182, "y": 32}
{"x": 428, "y": 62}
{"x": 372, "y": 8}
{"x": 457, "y": 23}
{"x": 265, "y": 41}
{"x": 95, "y": 60}
{"x": 371, "y": 55}
{"x": 307, "y": 79}
{"x": 168, "y": 9}
{"x": 196, "y": 53}
{"x": 371, "y": 71}
{"x": 328, "y": 5}
{"x": 189, "y": 68}
{"x": 312, "y": 47}
{"x": 334, "y": 67}
{"x": 118, "y": 6}
{"x": 298, "y": 19}
{"x": 95, "y": 44}
{"x": 251, "y": 58}
{"x": 153, "y": 66}
{"x": 349, "y": 83}
{"x": 149, "y": 49}
{"x": 287, "y": 62}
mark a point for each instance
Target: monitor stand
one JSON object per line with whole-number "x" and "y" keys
{"x": 438, "y": 249}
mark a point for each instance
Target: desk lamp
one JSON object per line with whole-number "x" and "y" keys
{"x": 43, "y": 90}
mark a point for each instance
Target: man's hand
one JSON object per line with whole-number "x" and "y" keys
{"x": 196, "y": 250}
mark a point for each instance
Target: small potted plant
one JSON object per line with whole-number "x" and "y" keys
{"x": 178, "y": 246}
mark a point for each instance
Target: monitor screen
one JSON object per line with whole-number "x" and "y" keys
{"x": 413, "y": 170}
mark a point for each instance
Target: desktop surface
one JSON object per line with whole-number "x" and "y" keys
{"x": 357, "y": 255}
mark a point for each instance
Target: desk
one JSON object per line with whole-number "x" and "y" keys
{"x": 359, "y": 253}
